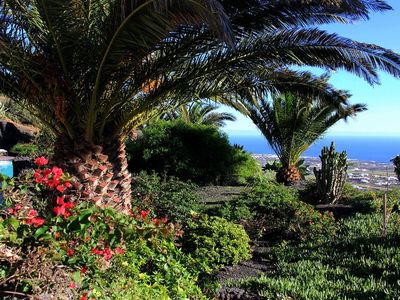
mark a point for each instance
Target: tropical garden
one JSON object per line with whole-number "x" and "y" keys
{"x": 114, "y": 200}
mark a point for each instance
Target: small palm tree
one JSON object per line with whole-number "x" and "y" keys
{"x": 199, "y": 113}
{"x": 291, "y": 124}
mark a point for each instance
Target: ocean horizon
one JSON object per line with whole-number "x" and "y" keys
{"x": 361, "y": 147}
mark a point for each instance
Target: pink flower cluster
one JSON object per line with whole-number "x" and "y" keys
{"x": 107, "y": 253}
{"x": 30, "y": 216}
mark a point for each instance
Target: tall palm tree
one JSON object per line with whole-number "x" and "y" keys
{"x": 93, "y": 70}
{"x": 291, "y": 124}
{"x": 199, "y": 113}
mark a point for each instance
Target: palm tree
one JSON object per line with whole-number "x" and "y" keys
{"x": 93, "y": 70}
{"x": 291, "y": 124}
{"x": 199, "y": 113}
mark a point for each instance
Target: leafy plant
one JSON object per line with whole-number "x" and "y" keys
{"x": 213, "y": 243}
{"x": 273, "y": 212}
{"x": 166, "y": 197}
{"x": 25, "y": 149}
{"x": 172, "y": 148}
{"x": 396, "y": 163}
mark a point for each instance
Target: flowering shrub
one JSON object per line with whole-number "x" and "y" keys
{"x": 93, "y": 253}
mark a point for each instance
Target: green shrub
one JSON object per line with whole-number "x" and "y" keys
{"x": 214, "y": 242}
{"x": 248, "y": 171}
{"x": 357, "y": 263}
{"x": 29, "y": 149}
{"x": 166, "y": 197}
{"x": 195, "y": 152}
{"x": 271, "y": 211}
{"x": 42, "y": 145}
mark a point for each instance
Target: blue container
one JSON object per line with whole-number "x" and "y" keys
{"x": 6, "y": 167}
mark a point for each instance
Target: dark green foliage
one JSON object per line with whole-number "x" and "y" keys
{"x": 165, "y": 197}
{"x": 356, "y": 263}
{"x": 396, "y": 163}
{"x": 270, "y": 211}
{"x": 214, "y": 242}
{"x": 330, "y": 179}
{"x": 195, "y": 152}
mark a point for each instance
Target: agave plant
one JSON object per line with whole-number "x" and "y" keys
{"x": 199, "y": 113}
{"x": 291, "y": 124}
{"x": 93, "y": 70}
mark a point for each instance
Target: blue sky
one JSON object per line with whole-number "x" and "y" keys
{"x": 383, "y": 101}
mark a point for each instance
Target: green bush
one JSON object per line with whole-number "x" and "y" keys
{"x": 273, "y": 212}
{"x": 195, "y": 152}
{"x": 29, "y": 149}
{"x": 166, "y": 197}
{"x": 214, "y": 242}
{"x": 357, "y": 263}
{"x": 42, "y": 145}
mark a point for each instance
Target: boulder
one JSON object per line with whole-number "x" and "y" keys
{"x": 12, "y": 133}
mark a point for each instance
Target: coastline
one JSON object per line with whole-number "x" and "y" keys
{"x": 362, "y": 174}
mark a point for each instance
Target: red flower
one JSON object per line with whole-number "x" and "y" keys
{"x": 10, "y": 210}
{"x": 60, "y": 200}
{"x": 85, "y": 296}
{"x": 68, "y": 185}
{"x": 119, "y": 250}
{"x": 164, "y": 220}
{"x": 67, "y": 215}
{"x": 41, "y": 161}
{"x": 59, "y": 210}
{"x": 72, "y": 286}
{"x": 60, "y": 188}
{"x": 69, "y": 205}
{"x": 32, "y": 213}
{"x": 46, "y": 172}
{"x": 97, "y": 251}
{"x": 70, "y": 252}
{"x": 107, "y": 254}
{"x": 144, "y": 213}
{"x": 57, "y": 173}
{"x": 84, "y": 269}
{"x": 37, "y": 222}
{"x": 56, "y": 235}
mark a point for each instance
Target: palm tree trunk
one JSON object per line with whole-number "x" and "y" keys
{"x": 100, "y": 172}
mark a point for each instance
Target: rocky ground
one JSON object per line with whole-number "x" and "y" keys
{"x": 362, "y": 174}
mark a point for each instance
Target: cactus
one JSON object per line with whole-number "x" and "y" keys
{"x": 332, "y": 176}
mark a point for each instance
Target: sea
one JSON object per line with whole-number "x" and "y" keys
{"x": 380, "y": 149}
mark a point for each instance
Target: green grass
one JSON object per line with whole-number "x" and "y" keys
{"x": 357, "y": 263}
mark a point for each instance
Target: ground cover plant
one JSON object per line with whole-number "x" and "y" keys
{"x": 356, "y": 263}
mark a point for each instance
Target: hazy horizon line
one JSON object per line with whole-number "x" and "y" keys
{"x": 370, "y": 134}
